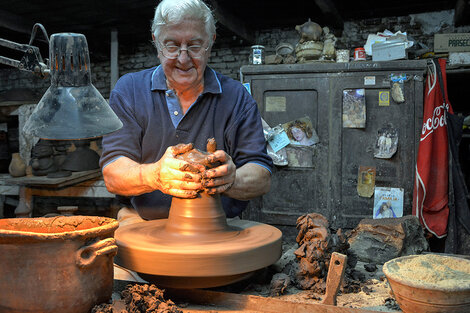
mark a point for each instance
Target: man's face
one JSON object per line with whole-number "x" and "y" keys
{"x": 184, "y": 72}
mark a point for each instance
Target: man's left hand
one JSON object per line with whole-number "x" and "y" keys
{"x": 221, "y": 178}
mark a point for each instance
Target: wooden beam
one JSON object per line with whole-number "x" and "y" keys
{"x": 462, "y": 13}
{"x": 232, "y": 302}
{"x": 330, "y": 13}
{"x": 114, "y": 62}
{"x": 233, "y": 23}
{"x": 15, "y": 23}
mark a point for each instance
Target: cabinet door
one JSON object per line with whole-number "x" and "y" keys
{"x": 355, "y": 147}
{"x": 297, "y": 188}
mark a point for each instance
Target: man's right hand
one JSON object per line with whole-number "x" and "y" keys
{"x": 170, "y": 175}
{"x": 174, "y": 176}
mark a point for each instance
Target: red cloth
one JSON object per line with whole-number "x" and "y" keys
{"x": 431, "y": 188}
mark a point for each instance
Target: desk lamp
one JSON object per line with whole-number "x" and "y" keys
{"x": 72, "y": 108}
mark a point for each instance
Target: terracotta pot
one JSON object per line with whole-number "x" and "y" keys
{"x": 17, "y": 167}
{"x": 56, "y": 265}
{"x": 416, "y": 296}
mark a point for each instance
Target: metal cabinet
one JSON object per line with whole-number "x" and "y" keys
{"x": 323, "y": 178}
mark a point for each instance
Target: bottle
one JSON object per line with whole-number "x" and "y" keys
{"x": 257, "y": 54}
{"x": 17, "y": 167}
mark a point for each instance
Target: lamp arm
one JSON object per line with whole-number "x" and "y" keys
{"x": 31, "y": 60}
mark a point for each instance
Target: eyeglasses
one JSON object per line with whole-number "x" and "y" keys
{"x": 173, "y": 52}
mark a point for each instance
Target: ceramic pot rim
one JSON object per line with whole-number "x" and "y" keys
{"x": 105, "y": 226}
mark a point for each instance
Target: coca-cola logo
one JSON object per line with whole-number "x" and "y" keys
{"x": 437, "y": 120}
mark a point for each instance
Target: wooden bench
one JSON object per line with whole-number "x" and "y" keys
{"x": 87, "y": 184}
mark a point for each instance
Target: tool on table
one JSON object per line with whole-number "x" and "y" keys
{"x": 335, "y": 277}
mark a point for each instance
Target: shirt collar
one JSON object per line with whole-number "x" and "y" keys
{"x": 211, "y": 81}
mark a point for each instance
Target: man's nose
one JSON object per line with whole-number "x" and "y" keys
{"x": 184, "y": 55}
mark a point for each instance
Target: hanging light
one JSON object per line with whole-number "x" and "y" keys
{"x": 71, "y": 108}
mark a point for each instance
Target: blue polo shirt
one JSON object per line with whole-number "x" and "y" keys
{"x": 153, "y": 120}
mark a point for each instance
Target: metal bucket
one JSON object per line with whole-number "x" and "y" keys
{"x": 56, "y": 265}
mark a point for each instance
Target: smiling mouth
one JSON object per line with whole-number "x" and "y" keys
{"x": 184, "y": 69}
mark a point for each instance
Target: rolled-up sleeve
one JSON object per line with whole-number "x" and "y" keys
{"x": 127, "y": 140}
{"x": 245, "y": 137}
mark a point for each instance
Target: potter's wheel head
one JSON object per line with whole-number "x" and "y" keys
{"x": 198, "y": 260}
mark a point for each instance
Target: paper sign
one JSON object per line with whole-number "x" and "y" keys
{"x": 384, "y": 98}
{"x": 275, "y": 104}
{"x": 366, "y": 181}
{"x": 386, "y": 142}
{"x": 354, "y": 108}
{"x": 247, "y": 86}
{"x": 279, "y": 141}
{"x": 369, "y": 80}
{"x": 301, "y": 132}
{"x": 388, "y": 202}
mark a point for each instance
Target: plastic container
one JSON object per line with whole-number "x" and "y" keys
{"x": 342, "y": 56}
{"x": 359, "y": 54}
{"x": 257, "y": 54}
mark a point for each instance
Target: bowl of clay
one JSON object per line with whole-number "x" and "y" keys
{"x": 430, "y": 283}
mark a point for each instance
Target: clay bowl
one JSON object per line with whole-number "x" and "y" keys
{"x": 442, "y": 285}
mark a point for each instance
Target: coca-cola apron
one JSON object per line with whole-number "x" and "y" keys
{"x": 430, "y": 194}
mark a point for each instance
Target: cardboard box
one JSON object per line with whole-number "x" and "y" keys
{"x": 459, "y": 58}
{"x": 389, "y": 50}
{"x": 453, "y": 42}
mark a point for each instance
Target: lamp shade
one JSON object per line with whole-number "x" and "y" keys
{"x": 71, "y": 108}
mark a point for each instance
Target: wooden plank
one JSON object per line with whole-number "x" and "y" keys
{"x": 462, "y": 13}
{"x": 330, "y": 13}
{"x": 15, "y": 22}
{"x": 46, "y": 182}
{"x": 248, "y": 303}
{"x": 234, "y": 24}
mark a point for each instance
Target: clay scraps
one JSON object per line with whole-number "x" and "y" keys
{"x": 316, "y": 244}
{"x": 139, "y": 299}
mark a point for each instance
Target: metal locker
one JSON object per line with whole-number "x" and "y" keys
{"x": 325, "y": 179}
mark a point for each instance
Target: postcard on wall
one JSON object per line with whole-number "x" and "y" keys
{"x": 386, "y": 142}
{"x": 301, "y": 132}
{"x": 354, "y": 108}
{"x": 279, "y": 140}
{"x": 366, "y": 181}
{"x": 388, "y": 202}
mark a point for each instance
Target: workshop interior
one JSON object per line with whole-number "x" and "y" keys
{"x": 364, "y": 117}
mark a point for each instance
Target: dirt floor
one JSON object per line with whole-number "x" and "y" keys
{"x": 372, "y": 294}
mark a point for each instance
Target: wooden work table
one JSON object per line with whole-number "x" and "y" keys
{"x": 79, "y": 184}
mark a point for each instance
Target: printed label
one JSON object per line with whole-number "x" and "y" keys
{"x": 384, "y": 98}
{"x": 275, "y": 104}
{"x": 369, "y": 80}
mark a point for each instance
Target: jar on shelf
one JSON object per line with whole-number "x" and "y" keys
{"x": 359, "y": 54}
{"x": 257, "y": 54}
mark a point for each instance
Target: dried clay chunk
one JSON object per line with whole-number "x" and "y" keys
{"x": 432, "y": 270}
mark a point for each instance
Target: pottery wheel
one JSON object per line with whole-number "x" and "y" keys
{"x": 197, "y": 247}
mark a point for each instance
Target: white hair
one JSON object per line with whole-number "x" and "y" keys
{"x": 174, "y": 11}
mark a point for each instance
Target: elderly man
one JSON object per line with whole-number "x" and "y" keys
{"x": 184, "y": 101}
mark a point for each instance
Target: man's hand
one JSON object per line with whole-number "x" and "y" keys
{"x": 176, "y": 177}
{"x": 221, "y": 178}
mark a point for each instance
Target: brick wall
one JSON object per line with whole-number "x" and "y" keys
{"x": 228, "y": 54}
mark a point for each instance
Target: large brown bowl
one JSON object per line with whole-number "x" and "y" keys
{"x": 415, "y": 297}
{"x": 57, "y": 264}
